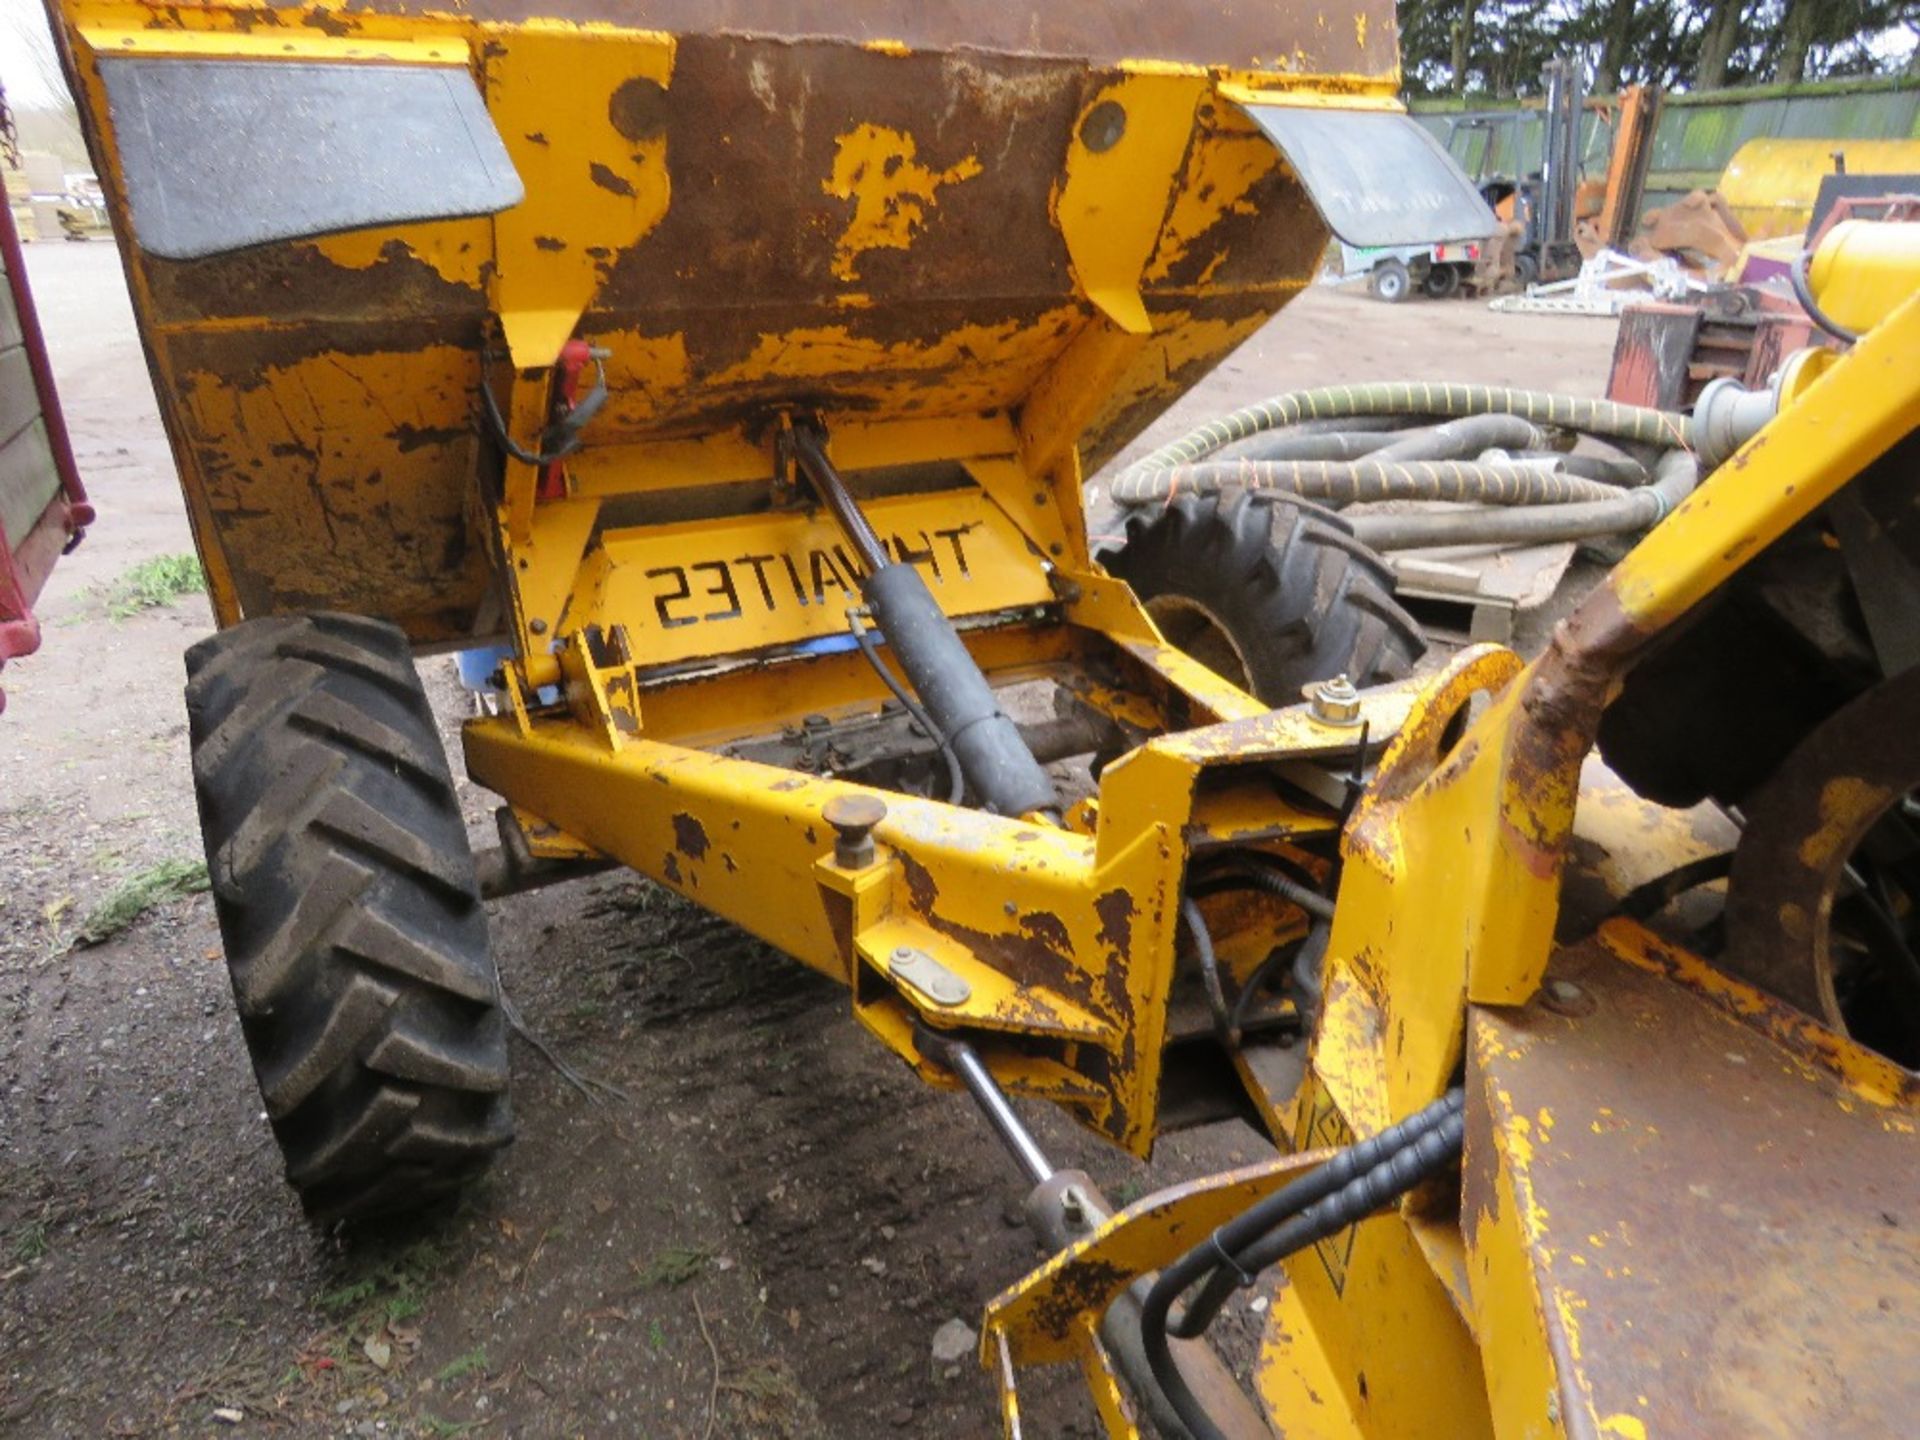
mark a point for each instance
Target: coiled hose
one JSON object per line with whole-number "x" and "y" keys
{"x": 1565, "y": 497}
{"x": 1496, "y": 482}
{"x": 1674, "y": 476}
{"x": 1607, "y": 418}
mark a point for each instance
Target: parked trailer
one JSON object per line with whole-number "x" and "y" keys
{"x": 1394, "y": 273}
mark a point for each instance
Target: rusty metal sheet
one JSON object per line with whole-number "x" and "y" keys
{"x": 1718, "y": 1203}
{"x": 1357, "y": 37}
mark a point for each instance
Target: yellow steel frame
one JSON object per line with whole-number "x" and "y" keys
{"x": 1447, "y": 905}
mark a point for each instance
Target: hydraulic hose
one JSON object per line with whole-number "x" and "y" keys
{"x": 956, "y": 782}
{"x": 1318, "y": 445}
{"x": 1393, "y": 1177}
{"x": 1674, "y": 477}
{"x": 1466, "y": 437}
{"x": 1255, "y": 1223}
{"x": 1498, "y": 482}
{"x": 1210, "y": 973}
{"x": 1274, "y": 875}
{"x": 1606, "y": 418}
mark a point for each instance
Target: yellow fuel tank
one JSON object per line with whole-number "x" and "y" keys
{"x": 1770, "y": 185}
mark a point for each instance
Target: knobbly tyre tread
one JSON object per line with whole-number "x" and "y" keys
{"x": 355, "y": 937}
{"x": 1303, "y": 599}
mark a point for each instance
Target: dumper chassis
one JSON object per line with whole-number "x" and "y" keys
{"x": 736, "y": 372}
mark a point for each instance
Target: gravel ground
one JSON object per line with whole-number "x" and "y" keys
{"x": 759, "y": 1236}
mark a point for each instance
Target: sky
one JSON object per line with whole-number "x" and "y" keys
{"x": 26, "y": 54}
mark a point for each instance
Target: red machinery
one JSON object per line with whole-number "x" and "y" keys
{"x": 43, "y": 506}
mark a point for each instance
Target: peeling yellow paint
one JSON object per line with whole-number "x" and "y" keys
{"x": 1624, "y": 1427}
{"x": 1220, "y": 173}
{"x": 458, "y": 250}
{"x": 874, "y": 167}
{"x": 1844, "y": 802}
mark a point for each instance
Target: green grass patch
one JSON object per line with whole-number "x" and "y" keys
{"x": 472, "y": 1363}
{"x": 139, "y": 893}
{"x": 155, "y": 583}
{"x": 30, "y": 1241}
{"x": 384, "y": 1284}
{"x": 673, "y": 1267}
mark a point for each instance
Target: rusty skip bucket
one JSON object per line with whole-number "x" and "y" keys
{"x": 331, "y": 213}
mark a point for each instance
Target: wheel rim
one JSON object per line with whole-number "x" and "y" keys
{"x": 1390, "y": 286}
{"x": 1196, "y": 631}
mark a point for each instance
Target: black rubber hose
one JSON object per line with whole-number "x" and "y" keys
{"x": 1249, "y": 1226}
{"x": 995, "y": 760}
{"x": 1803, "y": 292}
{"x": 1317, "y": 445}
{"x": 1346, "y": 482}
{"x": 1276, "y": 876}
{"x": 956, "y": 782}
{"x": 1358, "y": 1198}
{"x": 1264, "y": 974}
{"x": 1645, "y": 901}
{"x": 1210, "y": 972}
{"x": 1306, "y": 972}
{"x": 1464, "y": 438}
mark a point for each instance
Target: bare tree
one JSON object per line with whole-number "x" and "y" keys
{"x": 1718, "y": 42}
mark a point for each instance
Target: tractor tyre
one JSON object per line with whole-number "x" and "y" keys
{"x": 1390, "y": 281}
{"x": 355, "y": 936}
{"x": 1269, "y": 594}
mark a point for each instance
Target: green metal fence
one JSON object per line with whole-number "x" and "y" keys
{"x": 1694, "y": 136}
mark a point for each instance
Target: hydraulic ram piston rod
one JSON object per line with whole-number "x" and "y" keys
{"x": 1065, "y": 1207}
{"x": 993, "y": 757}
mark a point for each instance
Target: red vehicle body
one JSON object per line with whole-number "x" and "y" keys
{"x": 43, "y": 506}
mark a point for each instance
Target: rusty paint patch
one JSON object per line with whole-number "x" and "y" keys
{"x": 1116, "y": 911}
{"x": 608, "y": 180}
{"x": 689, "y": 836}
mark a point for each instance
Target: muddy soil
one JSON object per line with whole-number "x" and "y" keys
{"x": 753, "y": 1230}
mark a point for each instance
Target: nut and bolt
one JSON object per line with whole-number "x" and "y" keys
{"x": 1334, "y": 702}
{"x": 853, "y": 818}
{"x": 1073, "y": 1207}
{"x": 1563, "y": 997}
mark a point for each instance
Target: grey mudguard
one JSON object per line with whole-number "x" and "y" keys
{"x": 1376, "y": 177}
{"x": 222, "y": 154}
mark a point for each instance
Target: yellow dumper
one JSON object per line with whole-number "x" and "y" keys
{"x": 734, "y": 370}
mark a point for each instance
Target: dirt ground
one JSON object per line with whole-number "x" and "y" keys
{"x": 758, "y": 1236}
